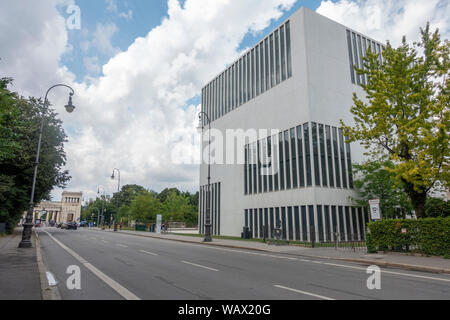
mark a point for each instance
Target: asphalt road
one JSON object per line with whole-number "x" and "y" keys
{"x": 121, "y": 266}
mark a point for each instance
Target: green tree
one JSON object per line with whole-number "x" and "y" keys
{"x": 436, "y": 207}
{"x": 19, "y": 130}
{"x": 163, "y": 194}
{"x": 406, "y": 113}
{"x": 145, "y": 207}
{"x": 127, "y": 194}
{"x": 375, "y": 180}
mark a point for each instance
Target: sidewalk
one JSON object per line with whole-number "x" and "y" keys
{"x": 19, "y": 273}
{"x": 417, "y": 263}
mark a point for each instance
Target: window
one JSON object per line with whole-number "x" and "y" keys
{"x": 259, "y": 168}
{"x": 250, "y": 167}
{"x": 315, "y": 153}
{"x": 283, "y": 222}
{"x": 280, "y": 140}
{"x": 341, "y": 148}
{"x": 349, "y": 163}
{"x": 307, "y": 154}
{"x": 297, "y": 222}
{"x": 312, "y": 224}
{"x": 246, "y": 171}
{"x": 355, "y": 55}
{"x": 336, "y": 158}
{"x": 300, "y": 155}
{"x": 288, "y": 49}
{"x": 322, "y": 155}
{"x": 253, "y": 74}
{"x": 261, "y": 51}
{"x": 341, "y": 223}
{"x": 244, "y": 79}
{"x": 354, "y": 224}
{"x": 272, "y": 225}
{"x": 330, "y": 156}
{"x": 348, "y": 222}
{"x": 333, "y": 219}
{"x": 272, "y": 63}
{"x": 233, "y": 87}
{"x": 250, "y": 215}
{"x": 361, "y": 65}
{"x": 261, "y": 223}
{"x": 257, "y": 70}
{"x": 275, "y": 150}
{"x": 283, "y": 55}
{"x": 327, "y": 222}
{"x": 240, "y": 82}
{"x": 350, "y": 56}
{"x": 290, "y": 224}
{"x": 264, "y": 162}
{"x": 320, "y": 222}
{"x": 304, "y": 224}
{"x": 255, "y": 168}
{"x": 266, "y": 51}
{"x": 266, "y": 221}
{"x": 246, "y": 218}
{"x": 294, "y": 160}
{"x": 269, "y": 156}
{"x": 249, "y": 81}
{"x": 277, "y": 56}
{"x": 287, "y": 160}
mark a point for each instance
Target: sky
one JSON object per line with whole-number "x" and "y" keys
{"x": 138, "y": 66}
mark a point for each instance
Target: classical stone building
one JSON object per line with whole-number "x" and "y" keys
{"x": 66, "y": 210}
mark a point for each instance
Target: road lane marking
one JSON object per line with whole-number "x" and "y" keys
{"x": 151, "y": 253}
{"x": 198, "y": 265}
{"x": 304, "y": 292}
{"x": 124, "y": 292}
{"x": 121, "y": 245}
{"x": 104, "y": 241}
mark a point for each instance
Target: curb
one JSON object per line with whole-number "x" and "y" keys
{"x": 47, "y": 292}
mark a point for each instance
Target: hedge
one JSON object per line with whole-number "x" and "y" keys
{"x": 429, "y": 235}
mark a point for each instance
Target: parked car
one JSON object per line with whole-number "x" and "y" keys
{"x": 72, "y": 226}
{"x": 64, "y": 225}
{"x": 59, "y": 225}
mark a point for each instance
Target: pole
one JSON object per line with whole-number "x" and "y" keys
{"x": 28, "y": 225}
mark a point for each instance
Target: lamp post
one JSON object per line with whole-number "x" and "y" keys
{"x": 28, "y": 225}
{"x": 103, "y": 203}
{"x": 117, "y": 202}
{"x": 203, "y": 117}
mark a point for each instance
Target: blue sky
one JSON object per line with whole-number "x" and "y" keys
{"x": 145, "y": 16}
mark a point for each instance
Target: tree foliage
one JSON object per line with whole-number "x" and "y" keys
{"x": 406, "y": 113}
{"x": 20, "y": 120}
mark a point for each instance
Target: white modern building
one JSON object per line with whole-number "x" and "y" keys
{"x": 299, "y": 80}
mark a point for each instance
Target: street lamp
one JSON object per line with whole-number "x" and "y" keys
{"x": 103, "y": 202}
{"x": 203, "y": 117}
{"x": 117, "y": 202}
{"x": 28, "y": 225}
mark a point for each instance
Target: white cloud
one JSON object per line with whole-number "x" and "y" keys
{"x": 390, "y": 20}
{"x": 127, "y": 15}
{"x": 102, "y": 38}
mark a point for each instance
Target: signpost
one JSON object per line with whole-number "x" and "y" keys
{"x": 375, "y": 211}
{"x": 158, "y": 223}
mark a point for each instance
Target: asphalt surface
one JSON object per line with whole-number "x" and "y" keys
{"x": 121, "y": 266}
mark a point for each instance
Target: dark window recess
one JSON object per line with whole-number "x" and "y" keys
{"x": 307, "y": 154}
{"x": 322, "y": 155}
{"x": 287, "y": 160}
{"x": 300, "y": 155}
{"x": 304, "y": 224}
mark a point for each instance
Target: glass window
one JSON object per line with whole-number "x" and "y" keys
{"x": 350, "y": 56}
{"x": 250, "y": 216}
{"x": 329, "y": 156}
{"x": 341, "y": 148}
{"x": 266, "y": 50}
{"x": 246, "y": 218}
{"x": 297, "y": 222}
{"x": 244, "y": 79}
{"x": 272, "y": 62}
{"x": 261, "y": 223}
{"x": 277, "y": 56}
{"x": 304, "y": 224}
{"x": 287, "y": 160}
{"x": 283, "y": 55}
{"x": 354, "y": 224}
{"x": 246, "y": 171}
{"x": 341, "y": 223}
{"x": 266, "y": 221}
{"x": 255, "y": 168}
{"x": 312, "y": 224}
{"x": 261, "y": 62}
{"x": 348, "y": 222}
{"x": 333, "y": 219}
{"x": 327, "y": 222}
{"x": 336, "y": 158}
{"x": 315, "y": 153}
{"x": 272, "y": 225}
{"x": 355, "y": 55}
{"x": 277, "y": 218}
{"x": 322, "y": 155}
{"x": 294, "y": 160}
{"x": 269, "y": 156}
{"x": 307, "y": 154}
{"x": 283, "y": 222}
{"x": 257, "y": 70}
{"x": 240, "y": 82}
{"x": 361, "y": 65}
{"x": 264, "y": 162}
{"x": 253, "y": 74}
{"x": 280, "y": 143}
{"x": 300, "y": 155}
{"x": 275, "y": 150}
{"x": 290, "y": 224}
{"x": 255, "y": 218}
{"x": 349, "y": 163}
{"x": 260, "y": 190}
{"x": 288, "y": 49}
{"x": 320, "y": 223}
{"x": 233, "y": 85}
{"x": 250, "y": 164}
{"x": 249, "y": 81}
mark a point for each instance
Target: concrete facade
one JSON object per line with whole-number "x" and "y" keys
{"x": 66, "y": 210}
{"x": 315, "y": 97}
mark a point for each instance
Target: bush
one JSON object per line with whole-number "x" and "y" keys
{"x": 429, "y": 235}
{"x": 436, "y": 207}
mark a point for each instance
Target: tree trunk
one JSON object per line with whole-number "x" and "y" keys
{"x": 418, "y": 199}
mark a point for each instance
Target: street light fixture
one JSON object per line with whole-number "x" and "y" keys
{"x": 203, "y": 117}
{"x": 102, "y": 221}
{"x": 28, "y": 225}
{"x": 117, "y": 202}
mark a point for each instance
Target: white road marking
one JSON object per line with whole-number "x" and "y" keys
{"x": 121, "y": 245}
{"x": 51, "y": 279}
{"x": 151, "y": 253}
{"x": 304, "y": 292}
{"x": 198, "y": 265}
{"x": 104, "y": 241}
{"x": 124, "y": 292}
